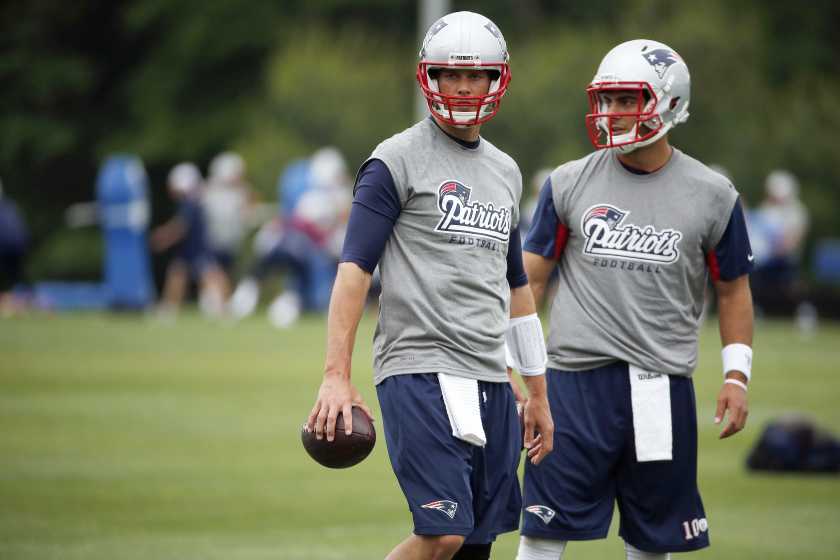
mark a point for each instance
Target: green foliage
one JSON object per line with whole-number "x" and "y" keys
{"x": 348, "y": 89}
{"x": 173, "y": 81}
{"x": 68, "y": 255}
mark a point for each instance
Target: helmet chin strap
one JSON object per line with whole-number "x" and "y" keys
{"x": 628, "y": 148}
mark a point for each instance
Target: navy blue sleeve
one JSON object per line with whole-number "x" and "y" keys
{"x": 375, "y": 210}
{"x": 516, "y": 276}
{"x": 547, "y": 236}
{"x": 733, "y": 255}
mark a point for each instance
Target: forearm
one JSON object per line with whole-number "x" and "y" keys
{"x": 536, "y": 386}
{"x": 346, "y": 307}
{"x": 522, "y": 301}
{"x": 168, "y": 234}
{"x": 539, "y": 270}
{"x": 524, "y": 339}
{"x": 735, "y": 312}
{"x": 735, "y": 315}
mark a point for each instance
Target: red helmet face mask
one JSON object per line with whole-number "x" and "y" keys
{"x": 603, "y": 126}
{"x": 463, "y": 41}
{"x": 459, "y": 110}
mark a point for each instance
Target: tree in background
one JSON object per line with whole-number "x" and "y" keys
{"x": 275, "y": 80}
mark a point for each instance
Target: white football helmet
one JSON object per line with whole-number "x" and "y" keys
{"x": 662, "y": 84}
{"x": 782, "y": 185}
{"x": 184, "y": 178}
{"x": 227, "y": 167}
{"x": 464, "y": 40}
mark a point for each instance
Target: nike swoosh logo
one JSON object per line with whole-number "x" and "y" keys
{"x": 750, "y": 258}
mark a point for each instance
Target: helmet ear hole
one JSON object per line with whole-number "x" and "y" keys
{"x": 674, "y": 102}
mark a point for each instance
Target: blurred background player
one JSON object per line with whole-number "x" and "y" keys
{"x": 191, "y": 260}
{"x": 304, "y": 241}
{"x": 226, "y": 199}
{"x": 14, "y": 241}
{"x": 778, "y": 228}
{"x": 638, "y": 227}
{"x": 437, "y": 208}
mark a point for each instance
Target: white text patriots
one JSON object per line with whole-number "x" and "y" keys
{"x": 475, "y": 218}
{"x": 605, "y": 235}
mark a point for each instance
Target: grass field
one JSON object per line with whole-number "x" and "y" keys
{"x": 123, "y": 438}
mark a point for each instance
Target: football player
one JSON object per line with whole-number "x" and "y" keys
{"x": 437, "y": 208}
{"x": 192, "y": 260}
{"x": 636, "y": 229}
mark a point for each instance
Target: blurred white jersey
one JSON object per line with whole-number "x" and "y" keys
{"x": 225, "y": 206}
{"x": 325, "y": 211}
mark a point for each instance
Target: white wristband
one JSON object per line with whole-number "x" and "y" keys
{"x": 737, "y": 357}
{"x": 740, "y": 384}
{"x": 526, "y": 344}
{"x": 509, "y": 361}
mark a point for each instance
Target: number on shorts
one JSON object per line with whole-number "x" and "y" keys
{"x": 694, "y": 527}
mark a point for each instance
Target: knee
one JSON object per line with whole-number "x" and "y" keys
{"x": 540, "y": 549}
{"x": 444, "y": 547}
{"x": 473, "y": 552}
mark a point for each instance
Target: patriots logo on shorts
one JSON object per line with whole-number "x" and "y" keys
{"x": 446, "y": 506}
{"x": 661, "y": 60}
{"x": 543, "y": 512}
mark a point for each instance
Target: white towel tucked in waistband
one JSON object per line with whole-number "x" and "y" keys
{"x": 650, "y": 394}
{"x": 460, "y": 395}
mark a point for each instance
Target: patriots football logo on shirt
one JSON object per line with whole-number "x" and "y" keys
{"x": 661, "y": 60}
{"x": 461, "y": 215}
{"x": 545, "y": 513}
{"x": 446, "y": 506}
{"x": 607, "y": 235}
{"x": 609, "y": 214}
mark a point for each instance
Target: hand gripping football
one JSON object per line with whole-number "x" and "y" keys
{"x": 344, "y": 451}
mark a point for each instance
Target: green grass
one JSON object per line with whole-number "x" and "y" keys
{"x": 124, "y": 438}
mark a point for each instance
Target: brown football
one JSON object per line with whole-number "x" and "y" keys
{"x": 344, "y": 451}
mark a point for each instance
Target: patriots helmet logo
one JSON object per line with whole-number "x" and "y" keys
{"x": 453, "y": 189}
{"x": 661, "y": 60}
{"x": 433, "y": 30}
{"x": 545, "y": 513}
{"x": 446, "y": 506}
{"x": 609, "y": 214}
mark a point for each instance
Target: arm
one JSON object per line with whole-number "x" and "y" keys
{"x": 731, "y": 262}
{"x": 375, "y": 210}
{"x": 539, "y": 426}
{"x": 539, "y": 270}
{"x": 165, "y": 236}
{"x": 736, "y": 326}
{"x": 544, "y": 243}
{"x": 337, "y": 393}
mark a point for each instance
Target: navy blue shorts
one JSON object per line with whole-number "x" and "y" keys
{"x": 452, "y": 487}
{"x": 571, "y": 494}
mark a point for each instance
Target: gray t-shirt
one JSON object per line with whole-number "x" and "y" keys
{"x": 445, "y": 298}
{"x": 633, "y": 271}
